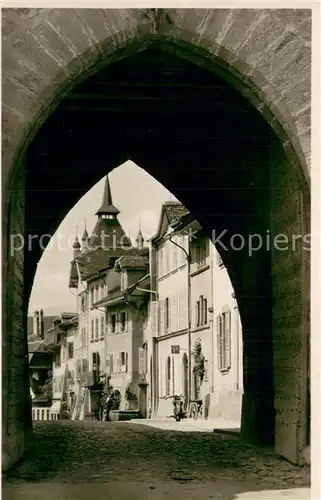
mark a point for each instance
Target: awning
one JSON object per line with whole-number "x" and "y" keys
{"x": 55, "y": 407}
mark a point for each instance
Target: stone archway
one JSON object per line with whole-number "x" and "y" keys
{"x": 44, "y": 63}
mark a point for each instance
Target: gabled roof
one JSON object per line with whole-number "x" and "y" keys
{"x": 132, "y": 262}
{"x": 171, "y": 213}
{"x": 100, "y": 260}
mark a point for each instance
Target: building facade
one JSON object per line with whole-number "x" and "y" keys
{"x": 104, "y": 271}
{"x": 60, "y": 340}
{"x": 193, "y": 339}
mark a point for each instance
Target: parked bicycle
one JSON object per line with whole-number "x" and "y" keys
{"x": 196, "y": 409}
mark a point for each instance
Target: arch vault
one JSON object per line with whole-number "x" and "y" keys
{"x": 215, "y": 104}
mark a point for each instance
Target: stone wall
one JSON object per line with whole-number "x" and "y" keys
{"x": 266, "y": 55}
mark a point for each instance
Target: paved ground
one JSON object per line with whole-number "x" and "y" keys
{"x": 120, "y": 460}
{"x": 191, "y": 425}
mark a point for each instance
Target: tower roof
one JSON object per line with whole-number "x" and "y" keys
{"x": 76, "y": 243}
{"x": 107, "y": 206}
{"x": 85, "y": 235}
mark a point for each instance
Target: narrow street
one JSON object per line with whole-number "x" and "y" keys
{"x": 112, "y": 460}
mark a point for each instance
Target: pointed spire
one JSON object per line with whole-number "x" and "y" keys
{"x": 85, "y": 235}
{"x": 139, "y": 238}
{"x": 76, "y": 245}
{"x": 107, "y": 207}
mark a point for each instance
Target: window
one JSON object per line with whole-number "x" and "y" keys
{"x": 102, "y": 291}
{"x": 97, "y": 293}
{"x": 38, "y": 414}
{"x": 201, "y": 311}
{"x": 42, "y": 414}
{"x": 166, "y": 314}
{"x": 33, "y": 414}
{"x": 92, "y": 329}
{"x": 57, "y": 360}
{"x": 224, "y": 340}
{"x": 47, "y": 414}
{"x": 97, "y": 328}
{"x": 102, "y": 327}
{"x": 123, "y": 322}
{"x": 123, "y": 280}
{"x": 113, "y": 323}
{"x": 92, "y": 296}
{"x": 96, "y": 362}
{"x": 201, "y": 251}
{"x": 70, "y": 350}
{"x": 123, "y": 361}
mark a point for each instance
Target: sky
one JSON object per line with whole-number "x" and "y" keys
{"x": 135, "y": 193}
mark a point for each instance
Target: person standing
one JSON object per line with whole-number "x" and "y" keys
{"x": 109, "y": 404}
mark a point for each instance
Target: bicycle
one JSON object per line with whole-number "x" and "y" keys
{"x": 196, "y": 409}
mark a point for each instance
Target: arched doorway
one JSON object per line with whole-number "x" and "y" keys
{"x": 256, "y": 186}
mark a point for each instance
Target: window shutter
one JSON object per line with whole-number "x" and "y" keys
{"x": 174, "y": 257}
{"x": 228, "y": 338}
{"x": 182, "y": 310}
{"x": 153, "y": 311}
{"x": 174, "y": 326}
{"x": 141, "y": 360}
{"x": 161, "y": 316}
{"x": 169, "y": 319}
{"x": 218, "y": 328}
{"x": 196, "y": 314}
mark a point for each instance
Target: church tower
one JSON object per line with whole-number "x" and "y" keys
{"x": 139, "y": 238}
{"x": 108, "y": 232}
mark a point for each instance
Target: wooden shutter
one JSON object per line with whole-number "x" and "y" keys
{"x": 161, "y": 316}
{"x": 174, "y": 326}
{"x": 227, "y": 334}
{"x": 169, "y": 315}
{"x": 141, "y": 360}
{"x": 174, "y": 256}
{"x": 154, "y": 319}
{"x": 182, "y": 310}
{"x": 218, "y": 331}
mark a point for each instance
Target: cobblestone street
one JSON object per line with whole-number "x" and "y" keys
{"x": 78, "y": 460}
